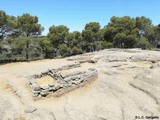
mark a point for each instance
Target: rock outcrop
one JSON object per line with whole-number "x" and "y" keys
{"x": 113, "y": 84}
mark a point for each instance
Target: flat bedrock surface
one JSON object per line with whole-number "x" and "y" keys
{"x": 128, "y": 85}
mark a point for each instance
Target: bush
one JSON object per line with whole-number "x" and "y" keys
{"x": 76, "y": 51}
{"x": 143, "y": 43}
{"x": 64, "y": 50}
{"x": 105, "y": 44}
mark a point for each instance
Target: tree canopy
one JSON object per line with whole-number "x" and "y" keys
{"x": 28, "y": 25}
{"x": 20, "y": 37}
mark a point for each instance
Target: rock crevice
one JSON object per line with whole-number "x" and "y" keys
{"x": 146, "y": 92}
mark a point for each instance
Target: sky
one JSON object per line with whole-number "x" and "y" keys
{"x": 76, "y": 13}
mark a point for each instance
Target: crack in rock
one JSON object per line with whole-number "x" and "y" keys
{"x": 30, "y": 109}
{"x": 123, "y": 115}
{"x": 146, "y": 92}
{"x": 52, "y": 114}
{"x": 68, "y": 116}
{"x": 101, "y": 118}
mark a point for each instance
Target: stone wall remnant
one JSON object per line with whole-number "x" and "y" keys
{"x": 63, "y": 83}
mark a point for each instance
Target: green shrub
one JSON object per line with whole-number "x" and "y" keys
{"x": 105, "y": 45}
{"x": 64, "y": 50}
{"x": 143, "y": 43}
{"x": 76, "y": 51}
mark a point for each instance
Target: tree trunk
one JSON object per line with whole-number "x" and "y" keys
{"x": 27, "y": 47}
